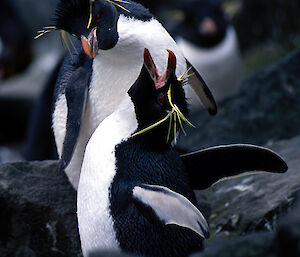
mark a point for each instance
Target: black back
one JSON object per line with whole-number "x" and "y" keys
{"x": 137, "y": 229}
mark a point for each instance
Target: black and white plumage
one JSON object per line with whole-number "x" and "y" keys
{"x": 135, "y": 191}
{"x": 209, "y": 42}
{"x": 134, "y": 194}
{"x": 115, "y": 37}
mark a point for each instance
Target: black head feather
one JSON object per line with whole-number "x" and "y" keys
{"x": 68, "y": 12}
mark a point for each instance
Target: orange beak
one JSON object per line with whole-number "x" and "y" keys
{"x": 90, "y": 44}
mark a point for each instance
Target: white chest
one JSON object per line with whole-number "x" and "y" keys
{"x": 98, "y": 170}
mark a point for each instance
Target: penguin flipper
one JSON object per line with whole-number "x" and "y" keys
{"x": 201, "y": 90}
{"x": 207, "y": 166}
{"x": 171, "y": 208}
{"x": 76, "y": 95}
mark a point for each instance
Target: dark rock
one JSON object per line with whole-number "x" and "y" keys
{"x": 265, "y": 109}
{"x": 38, "y": 211}
{"x": 256, "y": 201}
{"x": 253, "y": 245}
{"x": 257, "y": 215}
{"x": 281, "y": 243}
{"x": 109, "y": 254}
{"x": 288, "y": 233}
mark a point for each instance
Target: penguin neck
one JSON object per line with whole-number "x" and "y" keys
{"x": 99, "y": 159}
{"x": 153, "y": 140}
{"x": 97, "y": 174}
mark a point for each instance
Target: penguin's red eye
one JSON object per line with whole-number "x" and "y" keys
{"x": 98, "y": 17}
{"x": 160, "y": 99}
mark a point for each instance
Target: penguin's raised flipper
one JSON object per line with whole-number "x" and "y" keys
{"x": 200, "y": 88}
{"x": 76, "y": 94}
{"x": 171, "y": 208}
{"x": 207, "y": 166}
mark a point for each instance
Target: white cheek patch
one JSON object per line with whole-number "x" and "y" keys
{"x": 172, "y": 208}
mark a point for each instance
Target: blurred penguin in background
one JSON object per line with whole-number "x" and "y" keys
{"x": 209, "y": 42}
{"x": 15, "y": 53}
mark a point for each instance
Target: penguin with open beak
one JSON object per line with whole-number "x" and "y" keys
{"x": 135, "y": 191}
{"x": 105, "y": 60}
{"x": 134, "y": 194}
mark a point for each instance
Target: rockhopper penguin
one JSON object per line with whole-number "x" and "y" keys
{"x": 113, "y": 33}
{"x": 135, "y": 194}
{"x": 209, "y": 42}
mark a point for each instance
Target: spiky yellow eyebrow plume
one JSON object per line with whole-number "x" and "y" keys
{"x": 151, "y": 126}
{"x": 174, "y": 115}
{"x": 91, "y": 13}
{"x": 183, "y": 77}
{"x": 64, "y": 34}
{"x": 44, "y": 31}
{"x": 119, "y": 5}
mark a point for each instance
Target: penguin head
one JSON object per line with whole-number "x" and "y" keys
{"x": 204, "y": 22}
{"x": 94, "y": 22}
{"x": 159, "y": 100}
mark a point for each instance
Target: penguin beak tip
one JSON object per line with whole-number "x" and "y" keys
{"x": 90, "y": 44}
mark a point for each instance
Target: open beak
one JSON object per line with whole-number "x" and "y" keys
{"x": 159, "y": 79}
{"x": 90, "y": 44}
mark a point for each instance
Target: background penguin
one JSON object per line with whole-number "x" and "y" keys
{"x": 115, "y": 34}
{"x": 134, "y": 193}
{"x": 210, "y": 43}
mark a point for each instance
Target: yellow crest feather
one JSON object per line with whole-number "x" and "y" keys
{"x": 173, "y": 115}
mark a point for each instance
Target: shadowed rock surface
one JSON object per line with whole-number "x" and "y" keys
{"x": 37, "y": 211}
{"x": 255, "y": 202}
{"x": 282, "y": 242}
{"x": 265, "y": 109}
{"x": 257, "y": 215}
